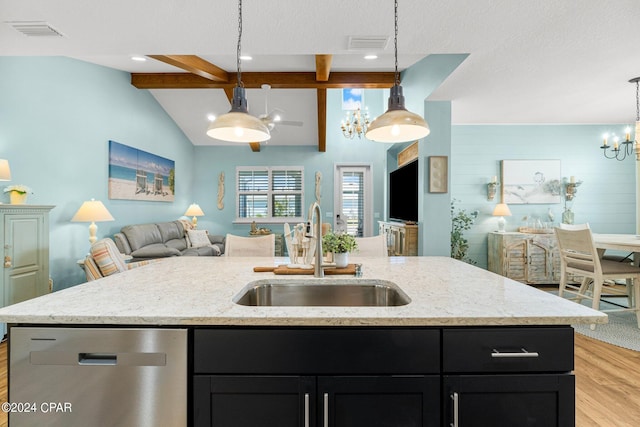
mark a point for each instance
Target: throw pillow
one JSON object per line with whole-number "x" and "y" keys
{"x": 198, "y": 238}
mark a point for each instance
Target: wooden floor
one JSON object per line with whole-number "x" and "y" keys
{"x": 607, "y": 384}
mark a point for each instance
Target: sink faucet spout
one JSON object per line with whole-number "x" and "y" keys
{"x": 315, "y": 210}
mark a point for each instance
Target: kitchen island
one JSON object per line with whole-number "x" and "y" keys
{"x": 465, "y": 338}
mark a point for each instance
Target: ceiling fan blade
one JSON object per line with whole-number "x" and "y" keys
{"x": 290, "y": 123}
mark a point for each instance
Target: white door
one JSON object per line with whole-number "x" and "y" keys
{"x": 353, "y": 200}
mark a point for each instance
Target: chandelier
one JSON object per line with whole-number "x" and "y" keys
{"x": 621, "y": 150}
{"x": 356, "y": 123}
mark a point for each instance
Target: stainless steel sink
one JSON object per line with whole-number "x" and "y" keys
{"x": 322, "y": 293}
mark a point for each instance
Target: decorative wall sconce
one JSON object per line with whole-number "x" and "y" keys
{"x": 571, "y": 187}
{"x": 492, "y": 187}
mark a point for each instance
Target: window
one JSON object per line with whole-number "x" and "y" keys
{"x": 353, "y": 201}
{"x": 269, "y": 194}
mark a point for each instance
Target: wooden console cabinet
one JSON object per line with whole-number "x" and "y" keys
{"x": 526, "y": 257}
{"x": 402, "y": 239}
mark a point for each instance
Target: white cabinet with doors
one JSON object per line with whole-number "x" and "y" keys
{"x": 24, "y": 233}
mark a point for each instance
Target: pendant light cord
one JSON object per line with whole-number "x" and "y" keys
{"x": 239, "y": 74}
{"x": 395, "y": 42}
{"x": 637, "y": 101}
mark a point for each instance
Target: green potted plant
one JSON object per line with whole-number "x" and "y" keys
{"x": 340, "y": 244}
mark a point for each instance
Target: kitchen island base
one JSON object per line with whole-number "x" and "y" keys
{"x": 372, "y": 377}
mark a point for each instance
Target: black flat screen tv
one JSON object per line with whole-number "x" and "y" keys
{"x": 403, "y": 193}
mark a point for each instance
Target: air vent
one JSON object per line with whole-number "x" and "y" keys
{"x": 35, "y": 29}
{"x": 371, "y": 43}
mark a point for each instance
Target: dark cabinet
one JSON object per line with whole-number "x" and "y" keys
{"x": 308, "y": 377}
{"x": 508, "y": 377}
{"x": 254, "y": 401}
{"x": 380, "y": 377}
{"x": 303, "y": 401}
{"x": 379, "y": 401}
{"x": 509, "y": 400}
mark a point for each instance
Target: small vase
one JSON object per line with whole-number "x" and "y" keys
{"x": 17, "y": 198}
{"x": 341, "y": 259}
{"x": 567, "y": 216}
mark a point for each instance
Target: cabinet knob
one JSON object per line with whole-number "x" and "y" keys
{"x": 7, "y": 261}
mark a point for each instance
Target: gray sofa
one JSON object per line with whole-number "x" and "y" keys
{"x": 163, "y": 239}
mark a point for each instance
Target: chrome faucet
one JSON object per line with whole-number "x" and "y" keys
{"x": 315, "y": 208}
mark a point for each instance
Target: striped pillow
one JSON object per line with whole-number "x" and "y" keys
{"x": 106, "y": 255}
{"x": 91, "y": 270}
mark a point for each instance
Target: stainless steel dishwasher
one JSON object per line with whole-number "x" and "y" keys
{"x": 97, "y": 377}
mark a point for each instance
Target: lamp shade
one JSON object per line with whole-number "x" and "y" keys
{"x": 194, "y": 210}
{"x": 92, "y": 211}
{"x": 238, "y": 125}
{"x": 5, "y": 171}
{"x": 502, "y": 209}
{"x": 397, "y": 124}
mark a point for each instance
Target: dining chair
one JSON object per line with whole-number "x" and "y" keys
{"x": 263, "y": 245}
{"x": 578, "y": 256}
{"x": 375, "y": 246}
{"x": 613, "y": 257}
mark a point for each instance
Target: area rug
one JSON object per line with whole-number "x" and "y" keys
{"x": 622, "y": 329}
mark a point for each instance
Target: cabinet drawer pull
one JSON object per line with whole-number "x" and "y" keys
{"x": 456, "y": 402}
{"x": 306, "y": 410}
{"x": 523, "y": 353}
{"x": 326, "y": 410}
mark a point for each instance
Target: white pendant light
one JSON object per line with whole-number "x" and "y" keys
{"x": 397, "y": 124}
{"x": 238, "y": 125}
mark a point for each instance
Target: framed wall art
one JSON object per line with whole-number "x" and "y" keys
{"x": 138, "y": 175}
{"x": 531, "y": 181}
{"x": 438, "y": 174}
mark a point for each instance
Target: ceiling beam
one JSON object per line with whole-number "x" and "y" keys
{"x": 322, "y": 119}
{"x": 196, "y": 65}
{"x": 255, "y": 146}
{"x": 323, "y": 67}
{"x": 285, "y": 80}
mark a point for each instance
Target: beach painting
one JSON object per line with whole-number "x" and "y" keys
{"x": 138, "y": 175}
{"x": 531, "y": 181}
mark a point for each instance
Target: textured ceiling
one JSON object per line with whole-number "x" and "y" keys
{"x": 544, "y": 61}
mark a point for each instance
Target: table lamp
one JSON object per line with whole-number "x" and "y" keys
{"x": 501, "y": 210}
{"x": 92, "y": 211}
{"x": 194, "y": 211}
{"x": 5, "y": 172}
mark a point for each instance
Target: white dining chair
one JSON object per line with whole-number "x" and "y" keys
{"x": 264, "y": 245}
{"x": 579, "y": 257}
{"x": 375, "y": 246}
{"x": 603, "y": 255}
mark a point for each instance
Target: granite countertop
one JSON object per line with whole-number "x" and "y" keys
{"x": 199, "y": 291}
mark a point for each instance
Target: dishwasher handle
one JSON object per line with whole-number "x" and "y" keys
{"x": 103, "y": 358}
{"x": 97, "y": 359}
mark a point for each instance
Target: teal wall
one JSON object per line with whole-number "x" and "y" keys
{"x": 210, "y": 161}
{"x": 606, "y": 199}
{"x": 56, "y": 118}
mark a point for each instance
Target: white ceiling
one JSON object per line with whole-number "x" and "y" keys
{"x": 544, "y": 61}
